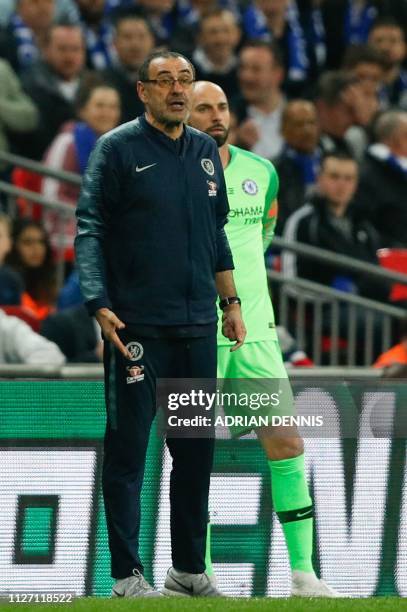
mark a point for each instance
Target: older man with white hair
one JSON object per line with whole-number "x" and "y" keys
{"x": 382, "y": 193}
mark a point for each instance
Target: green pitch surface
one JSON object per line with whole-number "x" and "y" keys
{"x": 97, "y": 604}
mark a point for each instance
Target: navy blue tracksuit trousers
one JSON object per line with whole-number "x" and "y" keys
{"x": 130, "y": 412}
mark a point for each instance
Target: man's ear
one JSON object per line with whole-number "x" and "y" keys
{"x": 141, "y": 90}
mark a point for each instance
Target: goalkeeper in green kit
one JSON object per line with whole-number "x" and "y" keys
{"x": 252, "y": 186}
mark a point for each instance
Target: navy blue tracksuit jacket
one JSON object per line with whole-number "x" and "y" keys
{"x": 151, "y": 219}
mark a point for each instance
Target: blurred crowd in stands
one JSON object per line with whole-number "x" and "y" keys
{"x": 317, "y": 86}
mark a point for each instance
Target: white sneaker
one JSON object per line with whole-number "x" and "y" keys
{"x": 305, "y": 584}
{"x": 183, "y": 584}
{"x": 134, "y": 586}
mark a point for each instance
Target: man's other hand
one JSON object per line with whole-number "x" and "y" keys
{"x": 233, "y": 326}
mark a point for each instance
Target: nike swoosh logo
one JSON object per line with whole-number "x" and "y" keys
{"x": 302, "y": 514}
{"x": 144, "y": 167}
{"x": 118, "y": 594}
{"x": 188, "y": 589}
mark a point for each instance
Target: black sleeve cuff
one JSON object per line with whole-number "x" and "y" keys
{"x": 225, "y": 264}
{"x": 101, "y": 302}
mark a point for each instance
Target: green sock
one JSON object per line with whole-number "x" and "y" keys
{"x": 293, "y": 505}
{"x": 208, "y": 558}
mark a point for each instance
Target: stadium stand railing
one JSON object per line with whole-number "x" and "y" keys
{"x": 356, "y": 325}
{"x": 34, "y": 166}
{"x": 338, "y": 260}
{"x": 365, "y": 321}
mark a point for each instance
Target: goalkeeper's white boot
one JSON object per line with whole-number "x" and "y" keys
{"x": 183, "y": 584}
{"x": 134, "y": 586}
{"x": 305, "y": 584}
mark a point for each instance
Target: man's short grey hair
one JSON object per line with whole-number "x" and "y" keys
{"x": 144, "y": 68}
{"x": 387, "y": 124}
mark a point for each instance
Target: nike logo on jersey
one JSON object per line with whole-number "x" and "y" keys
{"x": 142, "y": 168}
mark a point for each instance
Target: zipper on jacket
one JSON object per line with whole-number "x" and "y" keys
{"x": 190, "y": 272}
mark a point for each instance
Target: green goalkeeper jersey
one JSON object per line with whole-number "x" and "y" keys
{"x": 252, "y": 186}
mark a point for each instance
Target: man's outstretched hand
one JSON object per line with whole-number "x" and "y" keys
{"x": 109, "y": 323}
{"x": 233, "y": 326}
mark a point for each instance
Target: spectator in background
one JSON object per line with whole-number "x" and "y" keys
{"x": 98, "y": 111}
{"x": 260, "y": 105}
{"x": 388, "y": 37}
{"x": 70, "y": 294}
{"x": 162, "y": 16}
{"x": 347, "y": 22}
{"x": 18, "y": 114}
{"x": 279, "y": 20}
{"x": 52, "y": 84}
{"x": 397, "y": 355}
{"x": 133, "y": 40}
{"x": 31, "y": 257}
{"x": 368, "y": 65}
{"x": 215, "y": 57}
{"x": 299, "y": 163}
{"x": 20, "y": 344}
{"x": 190, "y": 13}
{"x": 76, "y": 334}
{"x": 24, "y": 37}
{"x": 329, "y": 222}
{"x": 11, "y": 286}
{"x": 382, "y": 195}
{"x": 65, "y": 11}
{"x": 98, "y": 33}
{"x": 340, "y": 106}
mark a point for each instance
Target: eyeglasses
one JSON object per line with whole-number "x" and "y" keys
{"x": 169, "y": 82}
